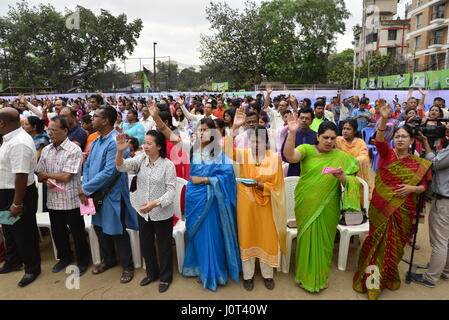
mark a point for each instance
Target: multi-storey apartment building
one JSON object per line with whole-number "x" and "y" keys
{"x": 381, "y": 33}
{"x": 428, "y": 37}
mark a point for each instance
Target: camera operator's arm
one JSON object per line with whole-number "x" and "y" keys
{"x": 385, "y": 113}
{"x": 440, "y": 160}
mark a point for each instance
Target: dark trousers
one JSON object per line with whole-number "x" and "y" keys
{"x": 108, "y": 243}
{"x": 163, "y": 231}
{"x": 22, "y": 238}
{"x": 64, "y": 222}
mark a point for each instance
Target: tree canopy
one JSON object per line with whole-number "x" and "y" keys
{"x": 280, "y": 40}
{"x": 39, "y": 49}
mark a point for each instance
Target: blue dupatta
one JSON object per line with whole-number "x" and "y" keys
{"x": 212, "y": 244}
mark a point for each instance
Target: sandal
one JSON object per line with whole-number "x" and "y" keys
{"x": 127, "y": 276}
{"x": 101, "y": 268}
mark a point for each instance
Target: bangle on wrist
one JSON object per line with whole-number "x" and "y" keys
{"x": 17, "y": 206}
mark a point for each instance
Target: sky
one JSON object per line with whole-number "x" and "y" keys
{"x": 175, "y": 25}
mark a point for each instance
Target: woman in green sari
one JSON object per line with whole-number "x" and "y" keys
{"x": 318, "y": 201}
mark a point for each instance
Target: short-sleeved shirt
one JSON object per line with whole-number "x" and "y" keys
{"x": 361, "y": 122}
{"x": 77, "y": 134}
{"x": 65, "y": 158}
{"x": 17, "y": 155}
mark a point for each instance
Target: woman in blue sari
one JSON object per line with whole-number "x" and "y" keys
{"x": 212, "y": 252}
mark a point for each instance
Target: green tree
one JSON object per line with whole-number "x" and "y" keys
{"x": 41, "y": 51}
{"x": 280, "y": 40}
{"x": 166, "y": 76}
{"x": 341, "y": 69}
{"x": 110, "y": 78}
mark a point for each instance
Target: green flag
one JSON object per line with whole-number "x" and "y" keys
{"x": 146, "y": 78}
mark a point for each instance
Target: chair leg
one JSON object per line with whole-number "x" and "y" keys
{"x": 343, "y": 250}
{"x": 135, "y": 248}
{"x": 94, "y": 246}
{"x": 288, "y": 252}
{"x": 180, "y": 249}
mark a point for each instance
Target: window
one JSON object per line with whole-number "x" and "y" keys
{"x": 371, "y": 38}
{"x": 437, "y": 37}
{"x": 419, "y": 3}
{"x": 417, "y": 43}
{"x": 392, "y": 34}
{"x": 416, "y": 65}
{"x": 391, "y": 51}
{"x": 418, "y": 21}
{"x": 439, "y": 12}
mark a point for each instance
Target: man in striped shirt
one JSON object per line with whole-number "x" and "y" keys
{"x": 61, "y": 164}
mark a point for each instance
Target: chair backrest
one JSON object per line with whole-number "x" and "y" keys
{"x": 40, "y": 195}
{"x": 180, "y": 183}
{"x": 290, "y": 185}
{"x": 367, "y": 133}
{"x": 365, "y": 194}
{"x": 285, "y": 168}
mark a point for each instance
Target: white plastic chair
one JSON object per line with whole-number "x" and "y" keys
{"x": 346, "y": 232}
{"x": 43, "y": 218}
{"x": 285, "y": 166}
{"x": 290, "y": 185}
{"x": 180, "y": 228}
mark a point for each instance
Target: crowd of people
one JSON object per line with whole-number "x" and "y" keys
{"x": 234, "y": 153}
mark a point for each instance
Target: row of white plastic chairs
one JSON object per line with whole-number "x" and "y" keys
{"x": 346, "y": 232}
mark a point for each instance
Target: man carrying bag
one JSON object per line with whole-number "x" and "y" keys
{"x": 102, "y": 181}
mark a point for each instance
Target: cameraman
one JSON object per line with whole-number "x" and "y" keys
{"x": 438, "y": 217}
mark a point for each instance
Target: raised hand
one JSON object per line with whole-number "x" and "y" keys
{"x": 122, "y": 142}
{"x": 269, "y": 90}
{"x": 422, "y": 91}
{"x": 385, "y": 109}
{"x": 22, "y": 99}
{"x": 292, "y": 122}
{"x": 240, "y": 117}
{"x": 180, "y": 101}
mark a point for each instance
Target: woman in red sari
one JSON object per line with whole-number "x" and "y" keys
{"x": 178, "y": 156}
{"x": 401, "y": 177}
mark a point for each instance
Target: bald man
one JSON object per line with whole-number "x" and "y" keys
{"x": 17, "y": 166}
{"x": 76, "y": 134}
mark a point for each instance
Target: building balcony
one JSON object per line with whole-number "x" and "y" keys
{"x": 437, "y": 18}
{"x": 436, "y": 43}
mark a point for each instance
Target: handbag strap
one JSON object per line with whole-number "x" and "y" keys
{"x": 108, "y": 189}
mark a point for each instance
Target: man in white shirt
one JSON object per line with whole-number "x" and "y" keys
{"x": 147, "y": 120}
{"x": 17, "y": 184}
{"x": 275, "y": 116}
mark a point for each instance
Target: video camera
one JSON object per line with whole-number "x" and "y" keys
{"x": 432, "y": 132}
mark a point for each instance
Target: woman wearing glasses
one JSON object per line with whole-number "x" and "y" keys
{"x": 401, "y": 177}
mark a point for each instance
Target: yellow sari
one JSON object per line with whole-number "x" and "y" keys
{"x": 261, "y": 217}
{"x": 358, "y": 149}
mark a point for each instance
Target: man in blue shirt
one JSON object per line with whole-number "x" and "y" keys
{"x": 116, "y": 214}
{"x": 303, "y": 136}
{"x": 76, "y": 134}
{"x": 361, "y": 115}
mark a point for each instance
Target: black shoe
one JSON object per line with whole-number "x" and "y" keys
{"x": 83, "y": 269}
{"x": 146, "y": 281}
{"x": 269, "y": 284}
{"x": 248, "y": 284}
{"x": 8, "y": 269}
{"x": 418, "y": 278}
{"x": 163, "y": 286}
{"x": 27, "y": 279}
{"x": 61, "y": 265}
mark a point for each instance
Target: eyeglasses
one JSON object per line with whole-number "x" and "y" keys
{"x": 402, "y": 137}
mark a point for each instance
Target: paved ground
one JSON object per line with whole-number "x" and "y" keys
{"x": 107, "y": 286}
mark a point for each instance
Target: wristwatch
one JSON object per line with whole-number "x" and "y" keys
{"x": 158, "y": 203}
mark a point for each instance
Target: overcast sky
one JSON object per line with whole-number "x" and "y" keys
{"x": 175, "y": 25}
